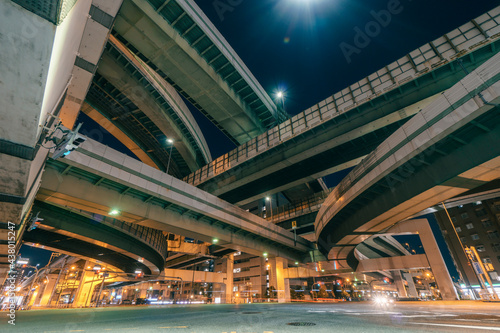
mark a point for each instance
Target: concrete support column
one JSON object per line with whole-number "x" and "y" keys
{"x": 412, "y": 290}
{"x": 287, "y": 290}
{"x": 227, "y": 267}
{"x": 90, "y": 281}
{"x": 398, "y": 279}
{"x": 277, "y": 278}
{"x": 49, "y": 288}
{"x": 431, "y": 248}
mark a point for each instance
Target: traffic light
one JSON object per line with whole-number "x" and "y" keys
{"x": 386, "y": 280}
{"x": 69, "y": 142}
{"x": 35, "y": 222}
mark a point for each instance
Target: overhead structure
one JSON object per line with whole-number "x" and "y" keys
{"x": 338, "y": 132}
{"x": 179, "y": 43}
{"x": 443, "y": 151}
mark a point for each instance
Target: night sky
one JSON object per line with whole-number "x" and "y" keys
{"x": 295, "y": 45}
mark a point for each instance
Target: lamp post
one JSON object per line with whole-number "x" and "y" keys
{"x": 171, "y": 142}
{"x": 270, "y": 206}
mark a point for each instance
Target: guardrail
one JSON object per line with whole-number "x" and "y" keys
{"x": 298, "y": 208}
{"x": 421, "y": 61}
{"x": 150, "y": 236}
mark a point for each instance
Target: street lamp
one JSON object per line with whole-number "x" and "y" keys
{"x": 270, "y": 206}
{"x": 281, "y": 96}
{"x": 171, "y": 143}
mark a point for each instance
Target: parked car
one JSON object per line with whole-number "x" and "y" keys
{"x": 126, "y": 302}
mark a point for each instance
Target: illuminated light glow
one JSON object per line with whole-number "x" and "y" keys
{"x": 114, "y": 212}
{"x": 286, "y": 40}
{"x": 215, "y": 241}
{"x": 170, "y": 141}
{"x": 264, "y": 254}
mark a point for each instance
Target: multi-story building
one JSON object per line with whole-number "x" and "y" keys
{"x": 475, "y": 224}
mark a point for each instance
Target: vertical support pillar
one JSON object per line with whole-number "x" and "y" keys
{"x": 412, "y": 290}
{"x": 398, "y": 279}
{"x": 431, "y": 248}
{"x": 49, "y": 289}
{"x": 89, "y": 282}
{"x": 228, "y": 266}
{"x": 287, "y": 290}
{"x": 277, "y": 278}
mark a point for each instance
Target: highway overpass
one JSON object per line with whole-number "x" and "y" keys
{"x": 445, "y": 150}
{"x": 338, "y": 132}
{"x": 97, "y": 179}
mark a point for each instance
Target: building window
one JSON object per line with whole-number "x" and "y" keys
{"x": 498, "y": 258}
{"x": 493, "y": 234}
{"x": 486, "y": 223}
{"x": 474, "y": 236}
{"x": 487, "y": 260}
{"x": 463, "y": 240}
{"x": 480, "y": 248}
{"x": 464, "y": 215}
{"x": 453, "y": 219}
{"x": 494, "y": 276}
{"x": 469, "y": 226}
{"x": 458, "y": 229}
{"x": 480, "y": 212}
{"x": 496, "y": 247}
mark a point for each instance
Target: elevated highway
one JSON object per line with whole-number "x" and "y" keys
{"x": 444, "y": 150}
{"x": 338, "y": 132}
{"x": 179, "y": 42}
{"x": 135, "y": 103}
{"x": 125, "y": 246}
{"x": 96, "y": 178}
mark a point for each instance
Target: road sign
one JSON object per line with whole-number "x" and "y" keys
{"x": 294, "y": 224}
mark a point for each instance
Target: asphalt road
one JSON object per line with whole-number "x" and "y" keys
{"x": 264, "y": 318}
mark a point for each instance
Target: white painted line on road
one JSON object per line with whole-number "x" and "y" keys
{"x": 461, "y": 326}
{"x": 427, "y": 316}
{"x": 315, "y": 311}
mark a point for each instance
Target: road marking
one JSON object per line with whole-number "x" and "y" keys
{"x": 173, "y": 327}
{"x": 77, "y": 331}
{"x": 315, "y": 311}
{"x": 461, "y": 326}
{"x": 427, "y": 316}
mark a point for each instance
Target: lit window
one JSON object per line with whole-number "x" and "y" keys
{"x": 458, "y": 229}
{"x": 469, "y": 226}
{"x": 480, "y": 248}
{"x": 487, "y": 260}
{"x": 474, "y": 236}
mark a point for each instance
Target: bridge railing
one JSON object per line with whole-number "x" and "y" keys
{"x": 297, "y": 208}
{"x": 421, "y": 61}
{"x": 150, "y": 236}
